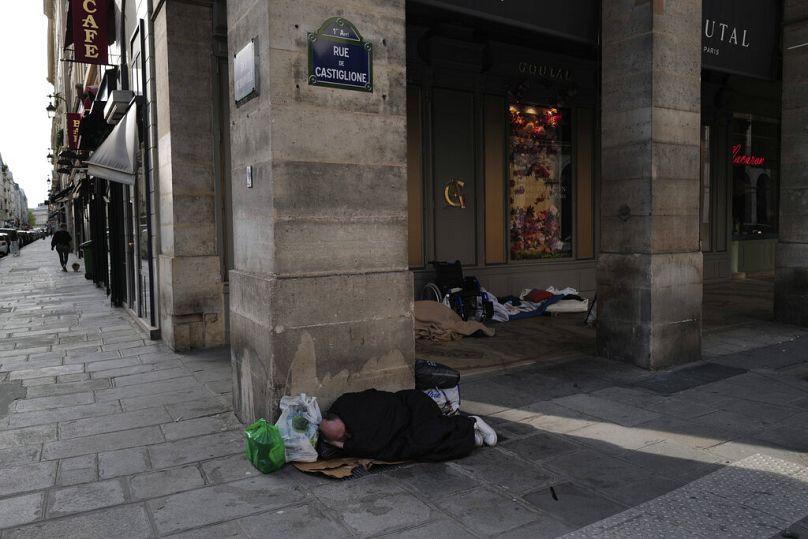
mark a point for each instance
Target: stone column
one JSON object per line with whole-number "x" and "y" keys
{"x": 791, "y": 269}
{"x": 190, "y": 283}
{"x": 321, "y": 296}
{"x": 650, "y": 264}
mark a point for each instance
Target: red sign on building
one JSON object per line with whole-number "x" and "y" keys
{"x": 73, "y": 123}
{"x": 90, "y": 30}
{"x": 742, "y": 160}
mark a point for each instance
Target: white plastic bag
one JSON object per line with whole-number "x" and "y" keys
{"x": 300, "y": 418}
{"x": 448, "y": 400}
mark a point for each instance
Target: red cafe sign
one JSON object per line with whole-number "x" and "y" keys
{"x": 741, "y": 160}
{"x": 90, "y": 30}
{"x": 73, "y": 123}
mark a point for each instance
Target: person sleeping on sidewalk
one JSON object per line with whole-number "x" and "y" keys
{"x": 402, "y": 426}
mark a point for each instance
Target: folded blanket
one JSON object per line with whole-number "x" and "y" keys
{"x": 438, "y": 323}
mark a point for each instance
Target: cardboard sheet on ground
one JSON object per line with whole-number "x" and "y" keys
{"x": 339, "y": 468}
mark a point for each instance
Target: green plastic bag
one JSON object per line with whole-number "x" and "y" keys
{"x": 264, "y": 446}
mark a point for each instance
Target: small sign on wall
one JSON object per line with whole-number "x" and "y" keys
{"x": 339, "y": 57}
{"x": 245, "y": 72}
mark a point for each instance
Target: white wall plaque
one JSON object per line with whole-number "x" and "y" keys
{"x": 245, "y": 72}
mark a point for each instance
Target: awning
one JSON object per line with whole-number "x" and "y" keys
{"x": 61, "y": 196}
{"x": 116, "y": 159}
{"x": 69, "y": 26}
{"x": 93, "y": 129}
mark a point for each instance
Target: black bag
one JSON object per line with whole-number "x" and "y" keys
{"x": 429, "y": 375}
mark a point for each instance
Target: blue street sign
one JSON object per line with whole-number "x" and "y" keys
{"x": 340, "y": 58}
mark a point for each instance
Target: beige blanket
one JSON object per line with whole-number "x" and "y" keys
{"x": 438, "y": 323}
{"x": 338, "y": 468}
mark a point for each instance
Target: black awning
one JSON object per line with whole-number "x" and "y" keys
{"x": 93, "y": 129}
{"x": 69, "y": 25}
{"x": 62, "y": 195}
{"x": 109, "y": 82}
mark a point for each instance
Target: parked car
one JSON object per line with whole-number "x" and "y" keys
{"x": 3, "y": 244}
{"x": 11, "y": 233}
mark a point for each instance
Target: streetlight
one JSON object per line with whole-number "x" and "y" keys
{"x": 51, "y": 108}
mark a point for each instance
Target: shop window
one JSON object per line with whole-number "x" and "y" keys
{"x": 143, "y": 240}
{"x": 540, "y": 183}
{"x": 136, "y": 75}
{"x": 753, "y": 155}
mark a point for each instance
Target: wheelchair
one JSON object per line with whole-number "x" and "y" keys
{"x": 462, "y": 294}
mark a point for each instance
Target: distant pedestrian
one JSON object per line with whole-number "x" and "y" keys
{"x": 61, "y": 242}
{"x": 14, "y": 243}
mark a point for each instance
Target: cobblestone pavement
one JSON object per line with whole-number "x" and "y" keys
{"x": 104, "y": 433}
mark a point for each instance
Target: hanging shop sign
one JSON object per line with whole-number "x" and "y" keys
{"x": 339, "y": 57}
{"x": 73, "y": 125}
{"x": 741, "y": 160}
{"x": 90, "y": 31}
{"x": 741, "y": 36}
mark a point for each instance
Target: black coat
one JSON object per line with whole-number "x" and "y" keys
{"x": 407, "y": 425}
{"x": 61, "y": 237}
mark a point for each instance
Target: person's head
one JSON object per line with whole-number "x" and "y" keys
{"x": 332, "y": 428}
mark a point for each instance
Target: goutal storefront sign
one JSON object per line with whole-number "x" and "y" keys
{"x": 741, "y": 36}
{"x": 339, "y": 57}
{"x": 90, "y": 30}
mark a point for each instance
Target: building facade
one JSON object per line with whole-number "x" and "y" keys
{"x": 41, "y": 215}
{"x": 21, "y": 206}
{"x": 13, "y": 202}
{"x": 6, "y": 180}
{"x": 138, "y": 168}
{"x": 297, "y": 168}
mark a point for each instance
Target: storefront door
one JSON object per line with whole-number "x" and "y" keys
{"x": 454, "y": 180}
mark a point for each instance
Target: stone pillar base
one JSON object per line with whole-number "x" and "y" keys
{"x": 791, "y": 266}
{"x": 649, "y": 308}
{"x": 791, "y": 284}
{"x": 314, "y": 335}
{"x": 191, "y": 302}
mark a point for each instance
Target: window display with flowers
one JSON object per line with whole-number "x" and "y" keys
{"x": 540, "y": 183}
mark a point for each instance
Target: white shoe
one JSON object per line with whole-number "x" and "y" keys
{"x": 478, "y": 438}
{"x": 489, "y": 436}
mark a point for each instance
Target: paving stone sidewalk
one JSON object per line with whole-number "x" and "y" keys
{"x": 105, "y": 433}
